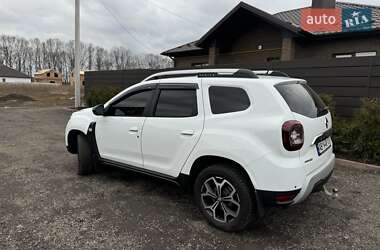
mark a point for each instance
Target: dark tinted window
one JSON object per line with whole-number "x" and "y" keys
{"x": 228, "y": 99}
{"x": 177, "y": 103}
{"x": 302, "y": 99}
{"x": 132, "y": 105}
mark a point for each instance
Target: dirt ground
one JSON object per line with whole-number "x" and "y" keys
{"x": 36, "y": 95}
{"x": 45, "y": 205}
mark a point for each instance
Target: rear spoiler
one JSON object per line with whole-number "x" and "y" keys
{"x": 270, "y": 73}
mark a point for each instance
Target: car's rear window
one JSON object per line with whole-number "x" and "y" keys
{"x": 302, "y": 99}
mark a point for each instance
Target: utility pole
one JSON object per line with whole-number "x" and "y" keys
{"x": 77, "y": 55}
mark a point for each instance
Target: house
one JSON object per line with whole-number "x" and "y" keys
{"x": 48, "y": 76}
{"x": 72, "y": 78}
{"x": 247, "y": 35}
{"x": 9, "y": 75}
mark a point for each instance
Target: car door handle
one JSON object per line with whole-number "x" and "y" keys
{"x": 134, "y": 130}
{"x": 187, "y": 132}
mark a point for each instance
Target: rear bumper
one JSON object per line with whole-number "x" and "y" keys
{"x": 315, "y": 180}
{"x": 313, "y": 183}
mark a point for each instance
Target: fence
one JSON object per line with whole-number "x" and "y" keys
{"x": 347, "y": 80}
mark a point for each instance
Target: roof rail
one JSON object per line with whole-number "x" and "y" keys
{"x": 270, "y": 73}
{"x": 236, "y": 73}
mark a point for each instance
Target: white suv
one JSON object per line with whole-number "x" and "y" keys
{"x": 240, "y": 141}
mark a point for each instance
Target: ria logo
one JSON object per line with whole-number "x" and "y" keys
{"x": 356, "y": 19}
{"x": 336, "y": 20}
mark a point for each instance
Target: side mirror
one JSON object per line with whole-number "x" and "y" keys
{"x": 98, "y": 110}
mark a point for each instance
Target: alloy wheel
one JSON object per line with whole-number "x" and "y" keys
{"x": 220, "y": 199}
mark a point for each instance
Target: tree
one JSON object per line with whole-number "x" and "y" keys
{"x": 33, "y": 55}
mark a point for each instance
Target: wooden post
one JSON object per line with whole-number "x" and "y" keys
{"x": 288, "y": 50}
{"x": 213, "y": 53}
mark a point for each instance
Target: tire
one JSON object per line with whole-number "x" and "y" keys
{"x": 86, "y": 164}
{"x": 235, "y": 209}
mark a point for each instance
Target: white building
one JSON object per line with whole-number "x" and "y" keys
{"x": 9, "y": 75}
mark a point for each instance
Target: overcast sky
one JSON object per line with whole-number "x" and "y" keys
{"x": 154, "y": 25}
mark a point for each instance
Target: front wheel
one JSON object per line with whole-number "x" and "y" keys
{"x": 225, "y": 197}
{"x": 86, "y": 164}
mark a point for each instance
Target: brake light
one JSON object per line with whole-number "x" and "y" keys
{"x": 292, "y": 135}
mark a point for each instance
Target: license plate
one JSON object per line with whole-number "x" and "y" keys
{"x": 323, "y": 146}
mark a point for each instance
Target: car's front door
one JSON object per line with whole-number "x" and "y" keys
{"x": 118, "y": 132}
{"x": 175, "y": 127}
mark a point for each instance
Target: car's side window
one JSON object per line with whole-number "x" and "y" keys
{"x": 228, "y": 99}
{"x": 132, "y": 105}
{"x": 177, "y": 103}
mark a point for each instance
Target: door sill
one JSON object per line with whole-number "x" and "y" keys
{"x": 140, "y": 170}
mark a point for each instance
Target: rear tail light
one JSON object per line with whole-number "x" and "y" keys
{"x": 292, "y": 135}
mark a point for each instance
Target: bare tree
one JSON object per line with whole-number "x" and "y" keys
{"x": 33, "y": 55}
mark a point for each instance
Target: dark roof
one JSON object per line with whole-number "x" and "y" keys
{"x": 183, "y": 48}
{"x": 293, "y": 17}
{"x": 289, "y": 20}
{"x": 9, "y": 72}
{"x": 257, "y": 12}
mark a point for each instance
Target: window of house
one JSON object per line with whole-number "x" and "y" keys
{"x": 355, "y": 54}
{"x": 55, "y": 75}
{"x": 228, "y": 99}
{"x": 177, "y": 103}
{"x": 365, "y": 54}
{"x": 348, "y": 55}
{"x": 4, "y": 80}
{"x": 133, "y": 105}
{"x": 199, "y": 65}
{"x": 48, "y": 74}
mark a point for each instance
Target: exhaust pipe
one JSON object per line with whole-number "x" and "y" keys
{"x": 332, "y": 193}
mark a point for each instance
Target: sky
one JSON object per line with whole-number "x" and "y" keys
{"x": 143, "y": 26}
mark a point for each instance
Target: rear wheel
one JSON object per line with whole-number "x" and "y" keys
{"x": 86, "y": 162}
{"x": 225, "y": 198}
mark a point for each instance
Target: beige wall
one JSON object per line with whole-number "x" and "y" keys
{"x": 54, "y": 77}
{"x": 72, "y": 79}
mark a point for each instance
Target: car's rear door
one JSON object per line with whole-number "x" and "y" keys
{"x": 316, "y": 120}
{"x": 172, "y": 132}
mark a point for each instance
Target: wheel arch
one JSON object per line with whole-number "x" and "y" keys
{"x": 205, "y": 161}
{"x": 72, "y": 143}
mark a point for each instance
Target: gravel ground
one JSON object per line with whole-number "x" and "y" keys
{"x": 45, "y": 205}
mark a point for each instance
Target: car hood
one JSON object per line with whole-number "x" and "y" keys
{"x": 83, "y": 112}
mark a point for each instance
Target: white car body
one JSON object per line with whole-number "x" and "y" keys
{"x": 169, "y": 147}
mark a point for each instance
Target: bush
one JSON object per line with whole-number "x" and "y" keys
{"x": 329, "y": 101}
{"x": 358, "y": 137}
{"x": 366, "y": 131}
{"x": 101, "y": 96}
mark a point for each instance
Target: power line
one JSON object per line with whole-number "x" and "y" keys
{"x": 175, "y": 14}
{"x": 142, "y": 44}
